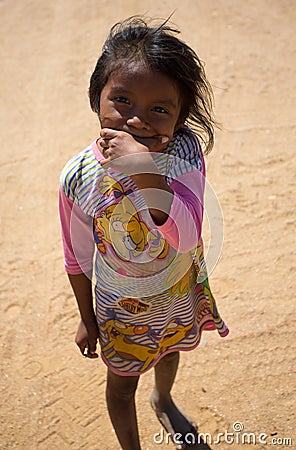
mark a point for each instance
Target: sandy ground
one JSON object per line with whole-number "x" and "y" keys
{"x": 51, "y": 398}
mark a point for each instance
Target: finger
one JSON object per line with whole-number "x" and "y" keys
{"x": 92, "y": 347}
{"x": 87, "y": 352}
{"x": 92, "y": 355}
{"x": 105, "y": 143}
{"x": 82, "y": 345}
{"x": 108, "y": 133}
{"x": 105, "y": 162}
{"x": 91, "y": 351}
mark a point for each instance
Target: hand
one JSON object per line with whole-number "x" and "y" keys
{"x": 86, "y": 338}
{"x": 128, "y": 153}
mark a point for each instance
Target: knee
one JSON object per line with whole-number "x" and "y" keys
{"x": 169, "y": 359}
{"x": 173, "y": 356}
{"x": 120, "y": 387}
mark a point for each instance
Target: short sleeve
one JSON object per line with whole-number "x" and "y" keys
{"x": 77, "y": 236}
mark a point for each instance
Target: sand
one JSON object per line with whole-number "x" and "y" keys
{"x": 51, "y": 398}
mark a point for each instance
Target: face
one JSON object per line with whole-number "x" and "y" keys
{"x": 142, "y": 102}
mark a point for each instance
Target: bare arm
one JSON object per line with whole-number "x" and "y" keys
{"x": 87, "y": 333}
{"x": 157, "y": 194}
{"x": 132, "y": 156}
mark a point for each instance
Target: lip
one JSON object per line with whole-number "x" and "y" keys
{"x": 143, "y": 139}
{"x": 136, "y": 136}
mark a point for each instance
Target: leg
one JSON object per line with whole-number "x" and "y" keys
{"x": 165, "y": 373}
{"x": 120, "y": 396}
{"x": 166, "y": 410}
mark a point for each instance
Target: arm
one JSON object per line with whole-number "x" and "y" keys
{"x": 78, "y": 247}
{"x": 87, "y": 333}
{"x": 77, "y": 236}
{"x": 157, "y": 194}
{"x": 132, "y": 156}
{"x": 177, "y": 208}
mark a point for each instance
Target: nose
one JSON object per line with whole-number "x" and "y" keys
{"x": 138, "y": 121}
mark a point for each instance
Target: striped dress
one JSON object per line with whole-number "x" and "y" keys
{"x": 151, "y": 289}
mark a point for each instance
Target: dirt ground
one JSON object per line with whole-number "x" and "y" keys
{"x": 51, "y": 398}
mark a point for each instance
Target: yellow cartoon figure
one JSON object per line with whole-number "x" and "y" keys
{"x": 119, "y": 342}
{"x": 174, "y": 333}
{"x": 121, "y": 226}
{"x": 109, "y": 186}
{"x": 181, "y": 274}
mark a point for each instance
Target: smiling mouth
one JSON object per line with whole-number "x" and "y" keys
{"x": 143, "y": 137}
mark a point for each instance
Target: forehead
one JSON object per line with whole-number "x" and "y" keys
{"x": 140, "y": 78}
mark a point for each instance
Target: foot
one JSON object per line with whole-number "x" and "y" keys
{"x": 174, "y": 421}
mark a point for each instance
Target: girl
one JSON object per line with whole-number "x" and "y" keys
{"x": 136, "y": 196}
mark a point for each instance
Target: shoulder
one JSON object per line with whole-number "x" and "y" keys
{"x": 185, "y": 151}
{"x": 80, "y": 167}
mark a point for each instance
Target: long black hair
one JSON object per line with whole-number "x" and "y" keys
{"x": 157, "y": 46}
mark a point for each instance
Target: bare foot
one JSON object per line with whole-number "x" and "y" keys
{"x": 181, "y": 428}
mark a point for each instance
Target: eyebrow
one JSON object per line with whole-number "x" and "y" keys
{"x": 167, "y": 102}
{"x": 163, "y": 101}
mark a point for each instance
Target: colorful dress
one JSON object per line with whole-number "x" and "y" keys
{"x": 152, "y": 292}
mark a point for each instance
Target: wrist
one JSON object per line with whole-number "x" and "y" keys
{"x": 88, "y": 318}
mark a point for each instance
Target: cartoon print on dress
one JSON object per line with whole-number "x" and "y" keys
{"x": 134, "y": 305}
{"x": 119, "y": 336}
{"x": 202, "y": 280}
{"x": 120, "y": 225}
{"x": 202, "y": 304}
{"x": 98, "y": 236}
{"x": 186, "y": 270}
{"x": 199, "y": 263}
{"x": 181, "y": 274}
{"x": 211, "y": 300}
{"x": 111, "y": 187}
{"x": 174, "y": 333}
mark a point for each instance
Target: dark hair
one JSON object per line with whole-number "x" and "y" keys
{"x": 133, "y": 40}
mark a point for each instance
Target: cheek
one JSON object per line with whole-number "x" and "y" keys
{"x": 162, "y": 123}
{"x": 109, "y": 116}
{"x": 169, "y": 129}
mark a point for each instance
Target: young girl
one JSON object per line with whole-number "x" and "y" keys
{"x": 136, "y": 196}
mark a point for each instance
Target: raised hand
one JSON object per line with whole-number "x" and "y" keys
{"x": 128, "y": 153}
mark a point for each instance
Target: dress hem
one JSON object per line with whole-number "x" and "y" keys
{"x": 205, "y": 327}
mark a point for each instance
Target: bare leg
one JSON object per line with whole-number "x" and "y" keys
{"x": 161, "y": 400}
{"x": 120, "y": 396}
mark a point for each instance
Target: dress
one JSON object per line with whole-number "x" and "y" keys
{"x": 152, "y": 292}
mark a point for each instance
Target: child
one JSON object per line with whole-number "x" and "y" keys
{"x": 136, "y": 195}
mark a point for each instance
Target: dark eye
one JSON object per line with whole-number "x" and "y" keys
{"x": 159, "y": 109}
{"x": 121, "y": 99}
